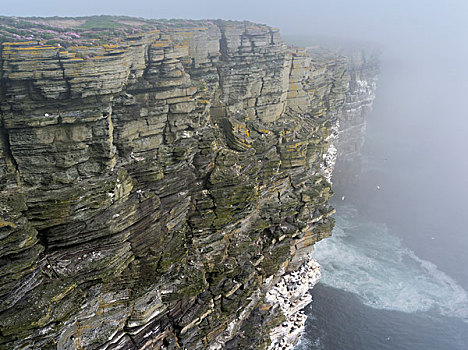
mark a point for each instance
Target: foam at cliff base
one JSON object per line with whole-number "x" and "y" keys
{"x": 365, "y": 259}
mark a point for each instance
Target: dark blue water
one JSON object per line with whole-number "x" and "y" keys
{"x": 340, "y": 321}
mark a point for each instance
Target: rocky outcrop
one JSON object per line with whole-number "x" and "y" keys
{"x": 155, "y": 190}
{"x": 292, "y": 295}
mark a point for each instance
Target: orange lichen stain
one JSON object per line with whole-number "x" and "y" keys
{"x": 204, "y": 101}
{"x": 36, "y": 48}
{"x": 15, "y": 43}
{"x": 110, "y": 46}
{"x": 244, "y": 142}
{"x": 245, "y": 131}
{"x": 7, "y": 223}
{"x": 161, "y": 44}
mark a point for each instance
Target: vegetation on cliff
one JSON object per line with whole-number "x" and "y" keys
{"x": 72, "y": 31}
{"x": 151, "y": 194}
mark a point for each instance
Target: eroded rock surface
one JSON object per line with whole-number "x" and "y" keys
{"x": 153, "y": 191}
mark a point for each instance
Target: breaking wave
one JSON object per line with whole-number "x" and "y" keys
{"x": 364, "y": 258}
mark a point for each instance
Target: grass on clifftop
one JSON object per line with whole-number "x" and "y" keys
{"x": 72, "y": 31}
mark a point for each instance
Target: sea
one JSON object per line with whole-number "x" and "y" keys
{"x": 376, "y": 293}
{"x": 395, "y": 271}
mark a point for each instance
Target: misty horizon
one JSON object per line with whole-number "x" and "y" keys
{"x": 403, "y": 225}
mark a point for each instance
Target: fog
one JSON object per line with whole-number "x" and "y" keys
{"x": 417, "y": 137}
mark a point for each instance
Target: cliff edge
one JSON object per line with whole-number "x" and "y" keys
{"x": 155, "y": 188}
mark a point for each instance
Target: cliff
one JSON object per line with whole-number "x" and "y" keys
{"x": 363, "y": 70}
{"x": 154, "y": 189}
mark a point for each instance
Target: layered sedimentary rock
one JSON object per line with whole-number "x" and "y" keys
{"x": 153, "y": 191}
{"x": 363, "y": 69}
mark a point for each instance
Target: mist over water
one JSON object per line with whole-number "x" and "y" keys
{"x": 394, "y": 273}
{"x": 414, "y": 151}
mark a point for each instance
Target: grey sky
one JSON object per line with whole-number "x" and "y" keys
{"x": 358, "y": 18}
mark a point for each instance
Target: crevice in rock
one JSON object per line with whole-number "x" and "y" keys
{"x": 41, "y": 237}
{"x": 11, "y": 162}
{"x": 223, "y": 46}
{"x": 64, "y": 76}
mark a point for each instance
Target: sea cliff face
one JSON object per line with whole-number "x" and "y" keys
{"x": 154, "y": 190}
{"x": 363, "y": 70}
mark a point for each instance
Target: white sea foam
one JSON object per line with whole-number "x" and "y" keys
{"x": 366, "y": 259}
{"x": 307, "y": 343}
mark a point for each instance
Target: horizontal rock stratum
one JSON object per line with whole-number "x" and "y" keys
{"x": 153, "y": 189}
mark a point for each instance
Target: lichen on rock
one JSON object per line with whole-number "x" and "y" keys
{"x": 154, "y": 191}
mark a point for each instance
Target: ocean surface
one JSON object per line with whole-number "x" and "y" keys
{"x": 395, "y": 271}
{"x": 376, "y": 293}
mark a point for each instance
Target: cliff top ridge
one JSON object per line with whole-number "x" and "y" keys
{"x": 91, "y": 30}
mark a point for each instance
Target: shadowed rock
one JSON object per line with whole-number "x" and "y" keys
{"x": 154, "y": 189}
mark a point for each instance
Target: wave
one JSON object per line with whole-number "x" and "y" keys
{"x": 364, "y": 258}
